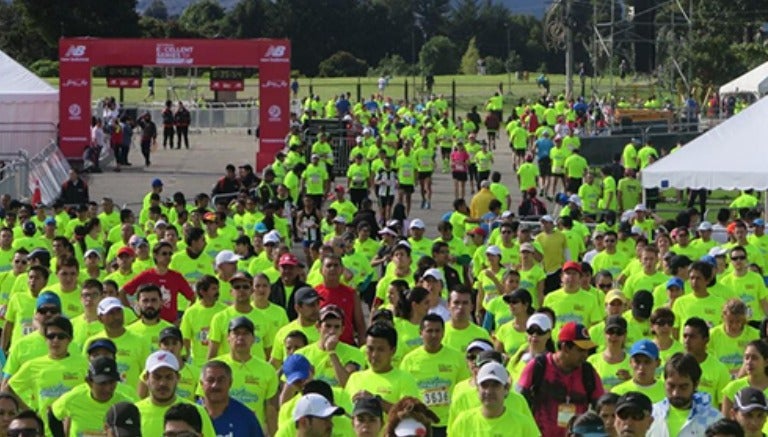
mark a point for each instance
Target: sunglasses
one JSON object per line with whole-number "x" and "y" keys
{"x": 48, "y": 310}
{"x": 664, "y": 322}
{"x": 738, "y": 258}
{"x": 615, "y": 331}
{"x": 536, "y": 331}
{"x": 23, "y": 432}
{"x": 57, "y": 336}
{"x": 605, "y": 286}
{"x": 631, "y": 414}
{"x": 471, "y": 357}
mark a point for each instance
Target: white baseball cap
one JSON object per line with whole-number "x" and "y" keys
{"x": 340, "y": 219}
{"x": 108, "y": 304}
{"x": 90, "y": 252}
{"x": 493, "y": 371}
{"x": 541, "y": 320}
{"x": 493, "y": 250}
{"x": 547, "y": 218}
{"x": 506, "y": 214}
{"x": 434, "y": 273}
{"x": 160, "y": 359}
{"x": 575, "y": 199}
{"x": 410, "y": 427}
{"x": 640, "y": 208}
{"x": 705, "y": 226}
{"x": 160, "y": 223}
{"x": 315, "y": 405}
{"x": 271, "y": 237}
{"x": 226, "y": 256}
{"x": 417, "y": 224}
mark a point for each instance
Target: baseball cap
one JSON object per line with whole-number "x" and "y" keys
{"x": 645, "y": 347}
{"x": 508, "y": 214}
{"x": 340, "y": 219}
{"x": 527, "y": 247}
{"x": 519, "y": 294}
{"x": 709, "y": 259}
{"x": 315, "y": 405}
{"x": 170, "y": 332}
{"x": 748, "y": 399}
{"x": 367, "y": 405}
{"x": 50, "y": 221}
{"x": 331, "y": 310}
{"x": 271, "y": 237}
{"x": 547, "y": 218}
{"x": 382, "y": 313}
{"x": 493, "y": 371}
{"x": 477, "y": 231}
{"x": 410, "y": 427}
{"x": 226, "y": 257}
{"x": 679, "y": 261}
{"x": 124, "y": 420}
{"x": 675, "y": 282}
{"x": 209, "y": 217}
{"x": 40, "y": 254}
{"x": 103, "y": 369}
{"x": 433, "y": 273}
{"x": 480, "y": 345}
{"x": 241, "y": 322}
{"x": 575, "y": 199}
{"x": 90, "y": 252}
{"x": 103, "y": 343}
{"x": 540, "y": 320}
{"x": 572, "y": 265}
{"x": 160, "y": 223}
{"x": 642, "y": 304}
{"x": 493, "y": 250}
{"x": 108, "y": 304}
{"x": 718, "y": 251}
{"x": 260, "y": 228}
{"x": 387, "y": 231}
{"x": 288, "y": 259}
{"x": 615, "y": 294}
{"x": 576, "y": 333}
{"x": 125, "y": 250}
{"x": 48, "y": 298}
{"x": 296, "y": 367}
{"x": 306, "y": 295}
{"x": 634, "y": 400}
{"x": 29, "y": 227}
{"x": 315, "y": 156}
{"x": 160, "y": 359}
{"x": 758, "y": 222}
{"x": 417, "y": 224}
{"x": 157, "y": 182}
{"x": 241, "y": 276}
{"x": 705, "y": 226}
{"x": 136, "y": 241}
{"x": 616, "y": 322}
{"x": 640, "y": 208}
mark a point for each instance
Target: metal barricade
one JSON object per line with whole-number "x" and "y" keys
{"x": 13, "y": 174}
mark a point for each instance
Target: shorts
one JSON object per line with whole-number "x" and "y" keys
{"x": 558, "y": 173}
{"x": 406, "y": 188}
{"x": 520, "y": 152}
{"x": 545, "y": 166}
{"x": 573, "y": 185}
{"x": 483, "y": 175}
{"x": 424, "y": 175}
{"x": 317, "y": 199}
{"x": 445, "y": 152}
{"x": 460, "y": 176}
{"x": 386, "y": 200}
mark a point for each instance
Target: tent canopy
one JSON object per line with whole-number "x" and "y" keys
{"x": 733, "y": 155}
{"x": 754, "y": 81}
{"x": 25, "y": 97}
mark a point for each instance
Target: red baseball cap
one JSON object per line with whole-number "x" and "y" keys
{"x": 126, "y": 251}
{"x": 576, "y": 333}
{"x": 572, "y": 265}
{"x": 477, "y": 231}
{"x": 288, "y": 259}
{"x": 340, "y": 188}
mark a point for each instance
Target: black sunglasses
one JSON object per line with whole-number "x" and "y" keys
{"x": 605, "y": 286}
{"x": 629, "y": 413}
{"x": 57, "y": 336}
{"x": 615, "y": 331}
{"x": 48, "y": 310}
{"x": 535, "y": 330}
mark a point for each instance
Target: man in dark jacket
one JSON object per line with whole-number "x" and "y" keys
{"x": 284, "y": 288}
{"x": 74, "y": 191}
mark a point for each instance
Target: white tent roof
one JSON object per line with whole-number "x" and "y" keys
{"x": 754, "y": 81}
{"x": 733, "y": 155}
{"x": 17, "y": 84}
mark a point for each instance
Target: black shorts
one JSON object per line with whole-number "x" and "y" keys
{"x": 460, "y": 176}
{"x": 573, "y": 185}
{"x": 424, "y": 175}
{"x": 406, "y": 188}
{"x": 445, "y": 152}
{"x": 386, "y": 200}
{"x": 483, "y": 175}
{"x": 545, "y": 166}
{"x": 520, "y": 152}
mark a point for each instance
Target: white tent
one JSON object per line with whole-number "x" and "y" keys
{"x": 733, "y": 155}
{"x": 753, "y": 82}
{"x": 25, "y": 97}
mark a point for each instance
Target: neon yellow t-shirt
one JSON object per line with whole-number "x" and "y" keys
{"x": 459, "y": 339}
{"x": 82, "y": 329}
{"x": 321, "y": 360}
{"x": 264, "y": 332}
{"x": 314, "y": 177}
{"x": 20, "y": 312}
{"x": 607, "y": 371}
{"x": 254, "y": 382}
{"x": 41, "y": 381}
{"x": 406, "y": 168}
{"x": 750, "y": 288}
{"x": 709, "y": 308}
{"x": 278, "y": 345}
{"x": 614, "y": 262}
{"x": 528, "y": 172}
{"x": 195, "y": 326}
{"x": 391, "y": 386}
{"x": 714, "y": 378}
{"x": 575, "y": 166}
{"x": 607, "y": 201}
{"x": 730, "y": 350}
{"x": 655, "y": 391}
{"x": 436, "y": 375}
{"x": 149, "y": 333}
{"x": 152, "y": 417}
{"x": 642, "y": 281}
{"x": 472, "y": 423}
{"x": 86, "y": 415}
{"x": 342, "y": 426}
{"x": 408, "y": 337}
{"x": 511, "y": 338}
{"x": 132, "y": 353}
{"x": 466, "y": 397}
{"x": 580, "y": 307}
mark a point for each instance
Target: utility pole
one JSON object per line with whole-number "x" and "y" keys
{"x": 568, "y": 49}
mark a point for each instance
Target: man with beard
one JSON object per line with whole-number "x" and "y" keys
{"x": 162, "y": 376}
{"x": 684, "y": 411}
{"x": 148, "y": 327}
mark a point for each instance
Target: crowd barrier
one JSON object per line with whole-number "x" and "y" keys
{"x": 45, "y": 171}
{"x": 212, "y": 116}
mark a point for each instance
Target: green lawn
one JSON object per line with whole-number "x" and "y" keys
{"x": 470, "y": 90}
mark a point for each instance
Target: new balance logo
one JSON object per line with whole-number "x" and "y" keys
{"x": 75, "y": 52}
{"x": 275, "y": 52}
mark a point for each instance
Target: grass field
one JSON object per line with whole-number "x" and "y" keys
{"x": 470, "y": 90}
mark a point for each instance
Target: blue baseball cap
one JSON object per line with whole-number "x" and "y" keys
{"x": 50, "y": 221}
{"x": 261, "y": 228}
{"x": 709, "y": 259}
{"x": 295, "y": 368}
{"x": 759, "y": 222}
{"x": 645, "y": 347}
{"x": 157, "y": 182}
{"x": 675, "y": 282}
{"x": 104, "y": 343}
{"x": 48, "y": 298}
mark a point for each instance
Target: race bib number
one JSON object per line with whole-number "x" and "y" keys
{"x": 315, "y": 179}
{"x": 358, "y": 179}
{"x": 459, "y": 167}
{"x": 564, "y": 414}
{"x": 425, "y": 162}
{"x": 407, "y": 173}
{"x": 27, "y": 327}
{"x": 437, "y": 396}
{"x": 202, "y": 336}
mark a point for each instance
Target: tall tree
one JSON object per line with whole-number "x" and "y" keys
{"x": 246, "y": 19}
{"x": 157, "y": 9}
{"x": 431, "y": 16}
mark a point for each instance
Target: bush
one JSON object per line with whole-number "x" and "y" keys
{"x": 494, "y": 65}
{"x": 343, "y": 64}
{"x": 45, "y": 68}
{"x": 439, "y": 56}
{"x": 470, "y": 58}
{"x": 392, "y": 65}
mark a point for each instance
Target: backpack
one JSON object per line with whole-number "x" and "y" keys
{"x": 531, "y": 393}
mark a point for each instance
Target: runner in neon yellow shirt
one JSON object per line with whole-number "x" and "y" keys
{"x": 701, "y": 303}
{"x": 460, "y": 331}
{"x": 648, "y": 278}
{"x": 23, "y": 306}
{"x": 161, "y": 375}
{"x": 644, "y": 359}
{"x": 435, "y": 367}
{"x": 196, "y": 323}
{"x": 87, "y": 324}
{"x": 728, "y": 340}
{"x": 307, "y": 307}
{"x": 746, "y": 284}
{"x": 714, "y": 374}
{"x": 149, "y": 300}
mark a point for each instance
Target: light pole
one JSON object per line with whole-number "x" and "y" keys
{"x": 507, "y": 59}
